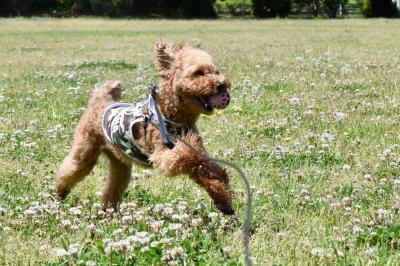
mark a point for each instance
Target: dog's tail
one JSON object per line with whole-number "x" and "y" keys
{"x": 110, "y": 91}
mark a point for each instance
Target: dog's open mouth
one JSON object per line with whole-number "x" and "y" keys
{"x": 205, "y": 103}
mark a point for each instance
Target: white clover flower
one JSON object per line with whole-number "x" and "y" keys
{"x": 156, "y": 225}
{"x": 110, "y": 210}
{"x": 141, "y": 238}
{"x": 174, "y": 226}
{"x": 346, "y": 201}
{"x": 309, "y": 112}
{"x": 327, "y": 137}
{"x": 90, "y": 263}
{"x": 75, "y": 211}
{"x": 30, "y": 212}
{"x": 73, "y": 249}
{"x": 299, "y": 58}
{"x": 295, "y": 101}
{"x": 382, "y": 214}
{"x": 108, "y": 249}
{"x": 146, "y": 173}
{"x": 139, "y": 79}
{"x": 227, "y": 251}
{"x": 127, "y": 220}
{"x": 118, "y": 232}
{"x": 339, "y": 115}
{"x": 346, "y": 167}
{"x": 177, "y": 252}
{"x": 357, "y": 230}
{"x": 66, "y": 223}
{"x": 2, "y": 98}
{"x": 317, "y": 251}
{"x": 281, "y": 235}
{"x": 195, "y": 221}
{"x": 212, "y": 215}
{"x": 182, "y": 206}
{"x": 201, "y": 205}
{"x": 346, "y": 69}
{"x": 168, "y": 211}
{"x": 397, "y": 183}
{"x": 60, "y": 252}
{"x": 44, "y": 248}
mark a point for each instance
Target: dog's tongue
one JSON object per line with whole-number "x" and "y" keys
{"x": 220, "y": 101}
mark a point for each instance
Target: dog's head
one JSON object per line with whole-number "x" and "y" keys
{"x": 193, "y": 78}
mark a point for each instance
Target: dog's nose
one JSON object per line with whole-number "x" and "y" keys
{"x": 220, "y": 87}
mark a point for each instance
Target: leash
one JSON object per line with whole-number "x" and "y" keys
{"x": 163, "y": 129}
{"x": 169, "y": 140}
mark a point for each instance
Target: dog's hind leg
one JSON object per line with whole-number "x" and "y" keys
{"x": 78, "y": 164}
{"x": 119, "y": 177}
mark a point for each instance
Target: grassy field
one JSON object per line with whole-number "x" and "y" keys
{"x": 314, "y": 122}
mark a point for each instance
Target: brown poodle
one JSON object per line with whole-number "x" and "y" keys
{"x": 189, "y": 81}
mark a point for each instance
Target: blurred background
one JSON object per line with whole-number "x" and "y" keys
{"x": 203, "y": 9}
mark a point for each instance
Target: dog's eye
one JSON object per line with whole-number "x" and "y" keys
{"x": 198, "y": 73}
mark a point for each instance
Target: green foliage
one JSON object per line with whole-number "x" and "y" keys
{"x": 6, "y": 8}
{"x": 312, "y": 5}
{"x": 378, "y": 8}
{"x": 332, "y": 7}
{"x": 234, "y": 7}
{"x": 271, "y": 8}
{"x": 197, "y": 9}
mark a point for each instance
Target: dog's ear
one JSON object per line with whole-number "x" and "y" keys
{"x": 166, "y": 55}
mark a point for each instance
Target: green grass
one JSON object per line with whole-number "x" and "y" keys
{"x": 314, "y": 122}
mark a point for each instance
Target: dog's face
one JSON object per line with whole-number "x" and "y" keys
{"x": 194, "y": 78}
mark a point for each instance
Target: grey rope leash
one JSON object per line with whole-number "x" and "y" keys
{"x": 247, "y": 223}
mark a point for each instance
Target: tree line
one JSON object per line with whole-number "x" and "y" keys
{"x": 198, "y": 8}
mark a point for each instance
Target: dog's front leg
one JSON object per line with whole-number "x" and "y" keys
{"x": 183, "y": 160}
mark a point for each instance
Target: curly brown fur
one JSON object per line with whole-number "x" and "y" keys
{"x": 186, "y": 74}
